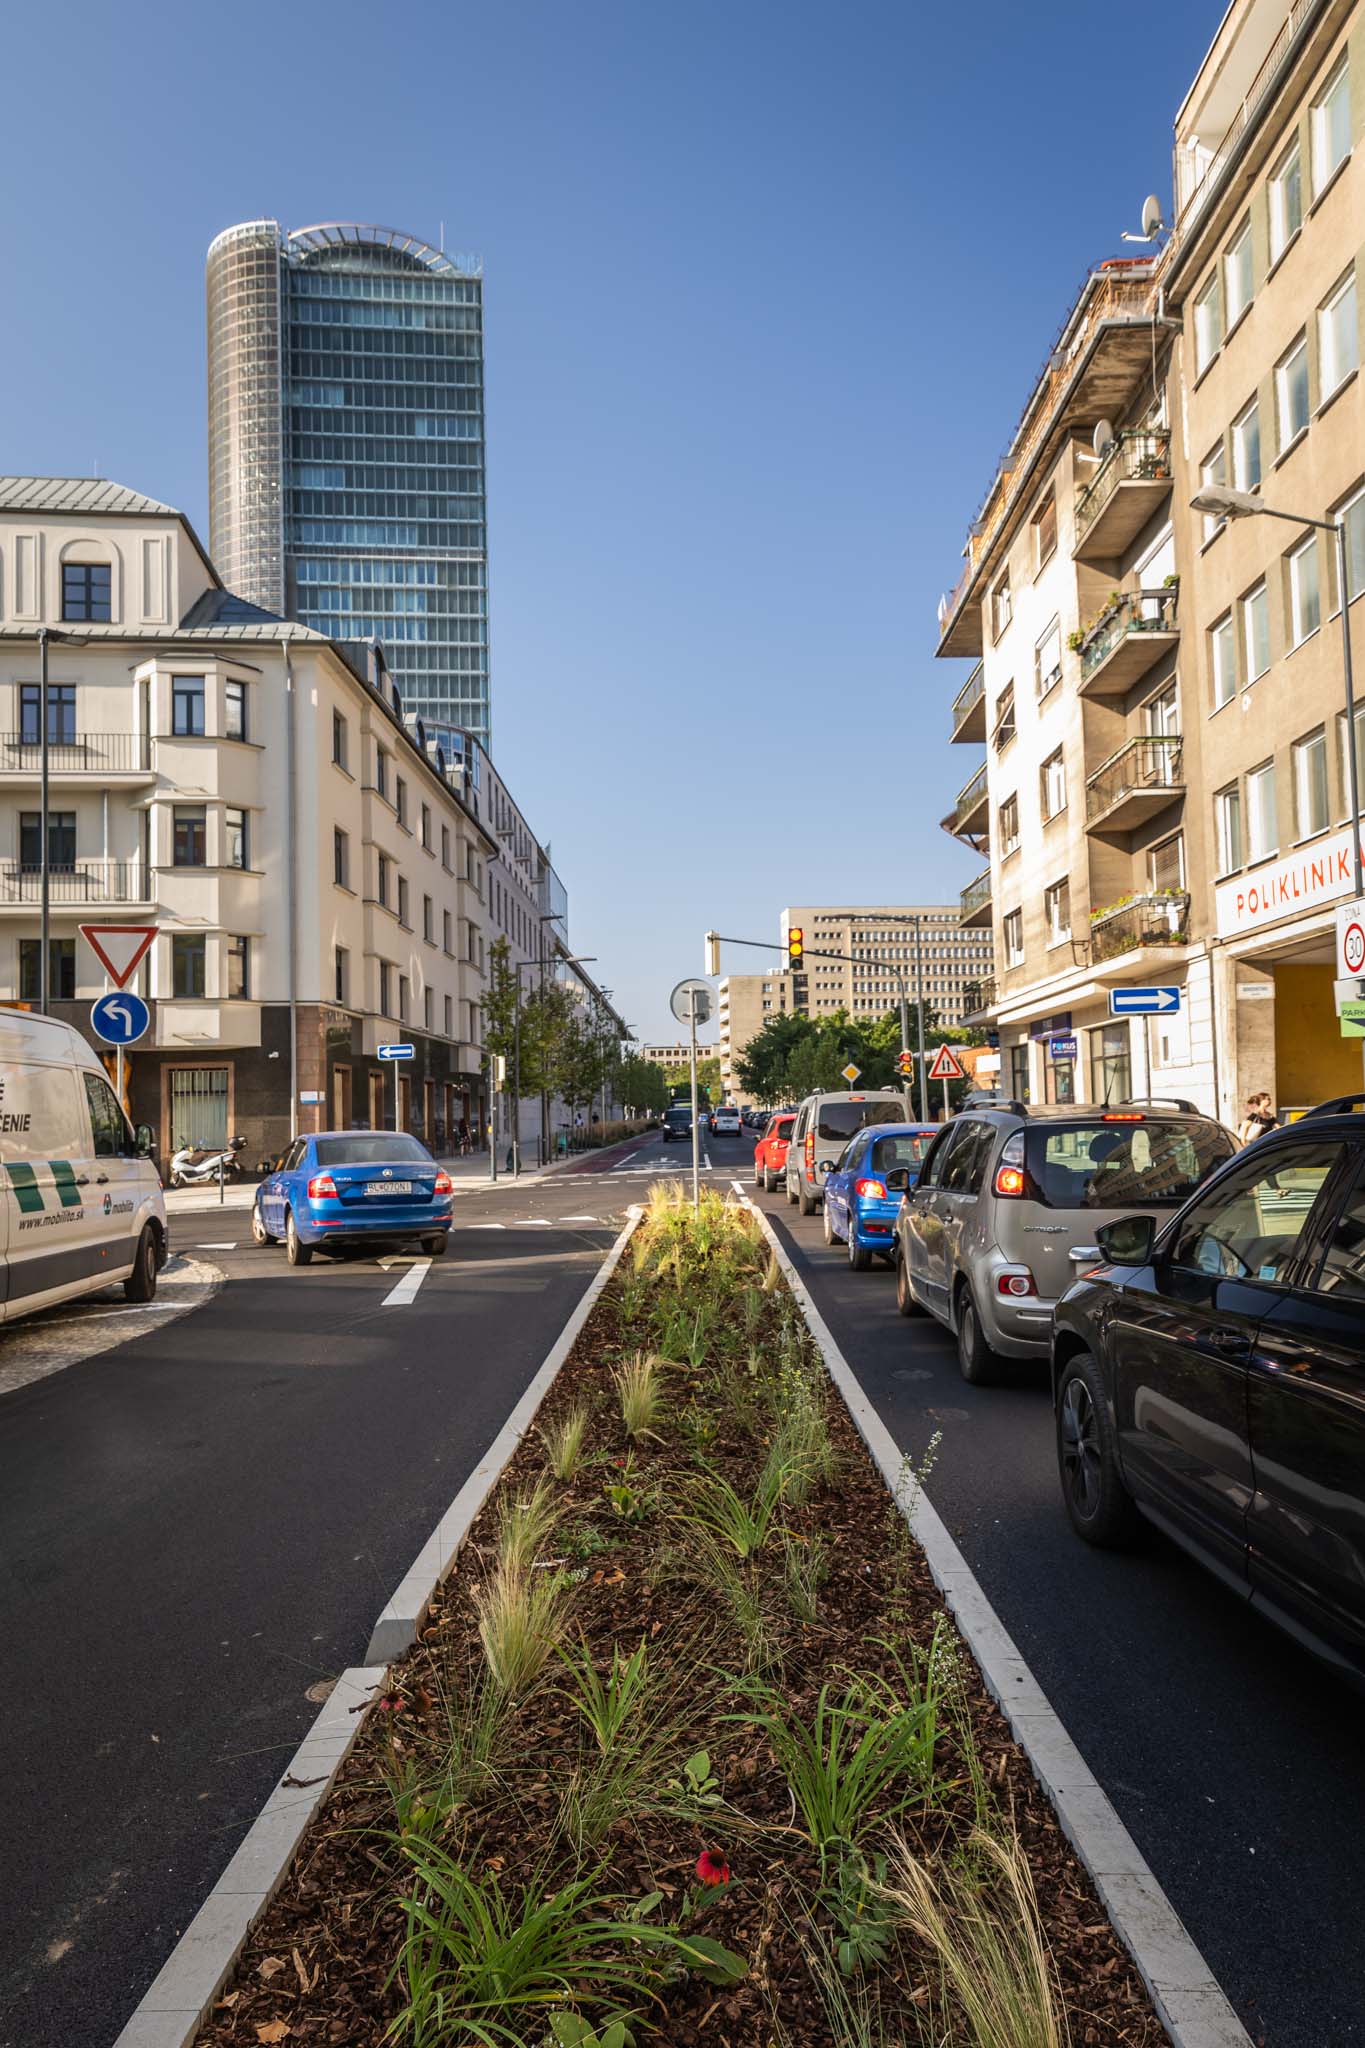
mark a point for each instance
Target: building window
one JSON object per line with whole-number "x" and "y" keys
{"x": 428, "y": 920}
{"x": 1263, "y": 836}
{"x": 1208, "y": 324}
{"x": 1047, "y": 659}
{"x": 1227, "y": 816}
{"x": 383, "y": 878}
{"x": 1057, "y": 912}
{"x": 1045, "y": 530}
{"x": 445, "y": 932}
{"x": 235, "y": 839}
{"x": 1004, "y": 718}
{"x": 61, "y": 714}
{"x": 445, "y": 846}
{"x": 1019, "y": 1074}
{"x": 381, "y": 771}
{"x": 426, "y": 826}
{"x": 1166, "y": 864}
{"x": 188, "y": 950}
{"x": 1001, "y": 609}
{"x": 1291, "y": 392}
{"x": 61, "y": 970}
{"x": 1237, "y": 275}
{"x": 341, "y": 858}
{"x": 1013, "y": 931}
{"x": 1223, "y": 660}
{"x": 1246, "y": 448}
{"x": 1310, "y": 784}
{"x": 1338, "y": 338}
{"x": 1286, "y": 201}
{"x": 189, "y": 836}
{"x": 400, "y": 800}
{"x": 340, "y": 740}
{"x": 1305, "y": 602}
{"x": 1213, "y": 470}
{"x": 1331, "y": 123}
{"x": 239, "y": 967}
{"x": 187, "y": 706}
{"x": 428, "y": 1009}
{"x": 449, "y": 1009}
{"x": 1052, "y": 785}
{"x": 1256, "y": 631}
{"x": 1111, "y": 1067}
{"x": 1009, "y": 825}
{"x": 1352, "y": 517}
{"x": 61, "y": 841}
{"x": 341, "y": 968}
{"x": 87, "y": 590}
{"x": 385, "y": 989}
{"x": 403, "y": 900}
{"x": 404, "y": 993}
{"x": 1345, "y": 764}
{"x": 234, "y": 711}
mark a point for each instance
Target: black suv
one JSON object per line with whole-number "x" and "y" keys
{"x": 1211, "y": 1373}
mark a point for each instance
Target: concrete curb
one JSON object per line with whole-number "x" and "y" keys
{"x": 396, "y": 1629}
{"x": 198, "y": 1966}
{"x": 1188, "y": 1999}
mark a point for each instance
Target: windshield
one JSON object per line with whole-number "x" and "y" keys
{"x": 782, "y": 1127}
{"x": 1122, "y": 1166}
{"x": 373, "y": 1148}
{"x": 838, "y": 1120}
{"x": 678, "y": 1116}
{"x": 906, "y": 1149}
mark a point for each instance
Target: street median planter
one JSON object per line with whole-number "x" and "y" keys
{"x": 688, "y": 1745}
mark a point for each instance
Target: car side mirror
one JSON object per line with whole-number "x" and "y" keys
{"x": 826, "y": 1166}
{"x": 145, "y": 1138}
{"x": 898, "y": 1181}
{"x": 1127, "y": 1241}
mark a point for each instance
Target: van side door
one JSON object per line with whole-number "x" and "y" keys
{"x": 45, "y": 1157}
{"x": 118, "y": 1178}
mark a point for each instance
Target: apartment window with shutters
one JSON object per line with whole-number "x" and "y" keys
{"x": 1246, "y": 448}
{"x": 1256, "y": 631}
{"x": 1166, "y": 864}
{"x": 1310, "y": 784}
{"x": 1291, "y": 393}
{"x": 1331, "y": 127}
{"x": 1009, "y": 826}
{"x": 1286, "y": 201}
{"x": 1057, "y": 912}
{"x": 1263, "y": 836}
{"x": 1227, "y": 818}
{"x": 1045, "y": 530}
{"x": 1047, "y": 659}
{"x": 1001, "y": 609}
{"x": 1208, "y": 324}
{"x": 1214, "y": 470}
{"x": 1305, "y": 601}
{"x": 1223, "y": 660}
{"x": 1052, "y": 785}
{"x": 1004, "y": 718}
{"x": 1338, "y": 338}
{"x": 1237, "y": 284}
{"x": 1013, "y": 931}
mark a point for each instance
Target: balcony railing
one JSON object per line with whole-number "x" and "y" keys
{"x": 971, "y": 796}
{"x": 1158, "y": 918}
{"x": 79, "y": 881}
{"x": 1149, "y": 763}
{"x": 1139, "y": 455}
{"x": 968, "y": 703}
{"x": 978, "y": 996}
{"x": 86, "y": 753}
{"x": 1195, "y": 180}
{"x": 975, "y": 896}
{"x": 1136, "y": 611}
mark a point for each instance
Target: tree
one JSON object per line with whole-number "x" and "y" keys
{"x": 762, "y": 1068}
{"x": 640, "y": 1084}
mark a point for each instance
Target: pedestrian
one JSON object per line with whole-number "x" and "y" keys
{"x": 1259, "y": 1117}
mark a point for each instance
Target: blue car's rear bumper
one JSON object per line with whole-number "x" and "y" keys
{"x": 323, "y": 1220}
{"x": 881, "y": 1214}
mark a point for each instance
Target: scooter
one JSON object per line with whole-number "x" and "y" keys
{"x": 195, "y": 1166}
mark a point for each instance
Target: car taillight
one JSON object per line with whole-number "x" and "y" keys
{"x": 1123, "y": 1116}
{"x": 444, "y": 1184}
{"x": 810, "y": 1146}
{"x": 1015, "y": 1284}
{"x": 322, "y": 1188}
{"x": 872, "y": 1190}
{"x": 1009, "y": 1180}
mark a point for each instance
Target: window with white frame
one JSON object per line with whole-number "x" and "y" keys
{"x": 1305, "y": 601}
{"x": 1246, "y": 448}
{"x": 1208, "y": 324}
{"x": 1227, "y": 818}
{"x": 1223, "y": 660}
{"x": 1345, "y": 763}
{"x": 1338, "y": 338}
{"x": 1352, "y": 517}
{"x": 1291, "y": 392}
{"x": 1057, "y": 911}
{"x": 1309, "y": 756}
{"x": 1237, "y": 285}
{"x": 1286, "y": 201}
{"x": 1214, "y": 470}
{"x": 1047, "y": 659}
{"x": 1331, "y": 125}
{"x": 1052, "y": 785}
{"x": 1013, "y": 931}
{"x": 1263, "y": 836}
{"x": 1009, "y": 825}
{"x": 1004, "y": 718}
{"x": 1256, "y": 631}
{"x": 1001, "y": 609}
{"x": 1045, "y": 530}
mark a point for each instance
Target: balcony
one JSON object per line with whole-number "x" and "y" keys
{"x": 969, "y": 816}
{"x": 109, "y": 756}
{"x": 1134, "y": 784}
{"x": 1127, "y": 639}
{"x": 976, "y": 901}
{"x": 1122, "y": 495}
{"x": 978, "y": 999}
{"x": 969, "y": 708}
{"x": 1157, "y": 921}
{"x": 78, "y": 884}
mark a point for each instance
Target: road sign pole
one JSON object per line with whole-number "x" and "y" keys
{"x": 945, "y": 1100}
{"x": 395, "y": 1095}
{"x": 118, "y": 1068}
{"x": 696, "y": 1136}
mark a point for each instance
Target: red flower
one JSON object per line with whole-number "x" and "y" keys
{"x": 391, "y": 1703}
{"x": 712, "y": 1867}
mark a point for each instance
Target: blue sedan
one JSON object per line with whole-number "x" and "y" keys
{"x": 863, "y": 1189}
{"x": 353, "y": 1187}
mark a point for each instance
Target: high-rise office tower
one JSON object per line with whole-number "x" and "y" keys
{"x": 346, "y": 447}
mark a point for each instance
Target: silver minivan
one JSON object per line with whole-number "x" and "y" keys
{"x": 824, "y": 1124}
{"x": 1003, "y": 1216}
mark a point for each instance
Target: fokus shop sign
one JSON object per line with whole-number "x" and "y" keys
{"x": 1309, "y": 880}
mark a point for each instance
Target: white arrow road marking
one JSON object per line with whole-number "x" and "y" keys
{"x": 406, "y": 1290}
{"x": 229, "y": 1246}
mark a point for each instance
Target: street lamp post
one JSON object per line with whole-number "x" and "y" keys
{"x": 44, "y": 825}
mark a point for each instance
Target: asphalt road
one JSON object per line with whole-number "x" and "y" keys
{"x": 1233, "y": 1758}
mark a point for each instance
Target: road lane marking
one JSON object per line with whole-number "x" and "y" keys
{"x": 578, "y": 1219}
{"x": 406, "y": 1290}
{"x": 229, "y": 1246}
{"x": 706, "y": 1161}
{"x": 485, "y": 1226}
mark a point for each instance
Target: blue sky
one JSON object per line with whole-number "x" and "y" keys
{"x": 767, "y": 284}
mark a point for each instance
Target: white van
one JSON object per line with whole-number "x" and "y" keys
{"x": 80, "y": 1198}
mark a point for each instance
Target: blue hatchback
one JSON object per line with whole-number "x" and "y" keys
{"x": 349, "y": 1187}
{"x": 861, "y": 1205}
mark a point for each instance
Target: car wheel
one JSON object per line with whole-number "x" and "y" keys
{"x": 859, "y": 1257}
{"x": 141, "y": 1282}
{"x": 1097, "y": 1501}
{"x": 791, "y": 1194}
{"x": 760, "y": 1177}
{"x": 906, "y": 1304}
{"x": 258, "y": 1229}
{"x": 828, "y": 1225}
{"x": 975, "y": 1360}
{"x": 804, "y": 1202}
{"x": 769, "y": 1182}
{"x": 295, "y": 1250}
{"x": 435, "y": 1245}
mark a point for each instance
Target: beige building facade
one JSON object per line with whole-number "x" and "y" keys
{"x": 879, "y": 944}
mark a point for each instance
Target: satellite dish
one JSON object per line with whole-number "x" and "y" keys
{"x": 1103, "y": 437}
{"x": 1152, "y": 223}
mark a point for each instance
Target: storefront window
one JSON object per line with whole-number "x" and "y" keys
{"x": 1059, "y": 1079}
{"x": 1111, "y": 1066}
{"x": 1018, "y": 1073}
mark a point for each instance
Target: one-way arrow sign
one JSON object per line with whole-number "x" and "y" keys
{"x": 1143, "y": 1002}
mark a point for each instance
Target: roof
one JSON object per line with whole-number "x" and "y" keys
{"x": 76, "y": 494}
{"x": 224, "y": 608}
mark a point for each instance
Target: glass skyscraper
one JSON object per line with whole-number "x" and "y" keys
{"x": 346, "y": 448}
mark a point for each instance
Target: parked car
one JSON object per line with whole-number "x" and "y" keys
{"x": 1208, "y": 1375}
{"x": 677, "y": 1122}
{"x": 824, "y": 1125}
{"x": 726, "y": 1119}
{"x": 81, "y": 1197}
{"x": 770, "y": 1153}
{"x": 1008, "y": 1202}
{"x": 865, "y": 1186}
{"x": 353, "y": 1187}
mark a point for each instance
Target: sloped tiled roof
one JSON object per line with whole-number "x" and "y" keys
{"x": 225, "y": 608}
{"x": 75, "y": 494}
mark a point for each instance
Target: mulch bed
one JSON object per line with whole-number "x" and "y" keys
{"x": 320, "y": 1962}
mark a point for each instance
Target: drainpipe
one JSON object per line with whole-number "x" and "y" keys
{"x": 291, "y": 884}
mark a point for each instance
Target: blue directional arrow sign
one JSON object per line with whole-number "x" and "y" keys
{"x": 1143, "y": 1002}
{"x": 397, "y": 1052}
{"x": 119, "y": 1019}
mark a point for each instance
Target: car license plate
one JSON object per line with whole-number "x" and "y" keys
{"x": 388, "y": 1187}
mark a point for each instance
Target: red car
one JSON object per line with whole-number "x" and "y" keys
{"x": 770, "y": 1153}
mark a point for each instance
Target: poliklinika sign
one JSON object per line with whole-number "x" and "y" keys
{"x": 1309, "y": 880}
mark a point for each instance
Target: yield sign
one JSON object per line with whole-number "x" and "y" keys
{"x": 118, "y": 947}
{"x": 947, "y": 1066}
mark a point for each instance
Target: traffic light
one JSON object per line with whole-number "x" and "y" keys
{"x": 713, "y": 954}
{"x": 905, "y": 1065}
{"x": 796, "y": 946}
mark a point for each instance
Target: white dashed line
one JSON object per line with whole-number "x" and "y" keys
{"x": 406, "y": 1290}
{"x": 578, "y": 1219}
{"x": 485, "y": 1226}
{"x": 229, "y": 1246}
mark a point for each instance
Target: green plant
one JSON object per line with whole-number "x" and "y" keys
{"x": 858, "y": 1906}
{"x": 622, "y": 1498}
{"x": 571, "y": 2030}
{"x": 802, "y": 1453}
{"x": 717, "y": 1510}
{"x": 639, "y": 1385}
{"x": 805, "y": 1567}
{"x": 563, "y": 1441}
{"x": 524, "y": 1525}
{"x": 1075, "y": 640}
{"x": 697, "y": 1790}
{"x": 584, "y": 1540}
{"x": 606, "y": 1704}
{"x": 735, "y": 1584}
{"x": 521, "y": 1617}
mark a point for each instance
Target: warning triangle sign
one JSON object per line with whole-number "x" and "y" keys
{"x": 119, "y": 948}
{"x": 947, "y": 1066}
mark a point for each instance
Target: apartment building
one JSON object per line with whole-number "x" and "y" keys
{"x": 678, "y": 1054}
{"x": 744, "y": 1003}
{"x": 883, "y": 945}
{"x": 316, "y": 874}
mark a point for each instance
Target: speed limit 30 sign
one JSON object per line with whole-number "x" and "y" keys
{"x": 1351, "y": 941}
